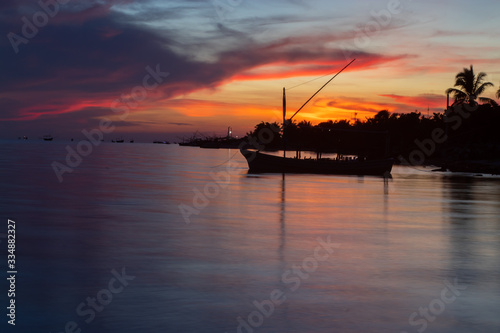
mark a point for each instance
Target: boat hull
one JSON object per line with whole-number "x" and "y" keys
{"x": 264, "y": 163}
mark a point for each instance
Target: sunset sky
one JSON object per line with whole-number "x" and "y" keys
{"x": 228, "y": 60}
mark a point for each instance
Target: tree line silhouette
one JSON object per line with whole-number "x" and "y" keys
{"x": 470, "y": 129}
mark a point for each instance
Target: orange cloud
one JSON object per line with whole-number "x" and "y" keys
{"x": 433, "y": 101}
{"x": 201, "y": 108}
{"x": 286, "y": 68}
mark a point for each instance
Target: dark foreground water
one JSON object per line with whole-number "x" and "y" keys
{"x": 141, "y": 238}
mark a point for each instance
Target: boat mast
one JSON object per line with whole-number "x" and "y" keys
{"x": 284, "y": 122}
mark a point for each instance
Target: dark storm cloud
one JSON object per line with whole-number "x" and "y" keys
{"x": 83, "y": 57}
{"x": 89, "y": 54}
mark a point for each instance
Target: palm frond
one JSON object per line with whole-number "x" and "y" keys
{"x": 461, "y": 82}
{"x": 452, "y": 90}
{"x": 479, "y": 82}
{"x": 457, "y": 94}
{"x": 480, "y": 77}
{"x": 489, "y": 101}
{"x": 469, "y": 85}
{"x": 482, "y": 87}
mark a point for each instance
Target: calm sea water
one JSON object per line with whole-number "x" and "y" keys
{"x": 418, "y": 252}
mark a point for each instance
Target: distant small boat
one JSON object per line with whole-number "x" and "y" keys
{"x": 265, "y": 163}
{"x": 161, "y": 142}
{"x": 47, "y": 137}
{"x": 118, "y": 140}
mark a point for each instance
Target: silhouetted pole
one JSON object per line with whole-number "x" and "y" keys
{"x": 284, "y": 122}
{"x": 321, "y": 88}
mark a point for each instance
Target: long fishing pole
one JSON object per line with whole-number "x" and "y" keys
{"x": 321, "y": 88}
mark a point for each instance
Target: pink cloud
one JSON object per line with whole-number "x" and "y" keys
{"x": 424, "y": 101}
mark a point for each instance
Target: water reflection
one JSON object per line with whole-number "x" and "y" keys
{"x": 400, "y": 238}
{"x": 473, "y": 210}
{"x": 282, "y": 313}
{"x": 282, "y": 218}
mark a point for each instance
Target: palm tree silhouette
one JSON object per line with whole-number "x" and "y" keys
{"x": 471, "y": 86}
